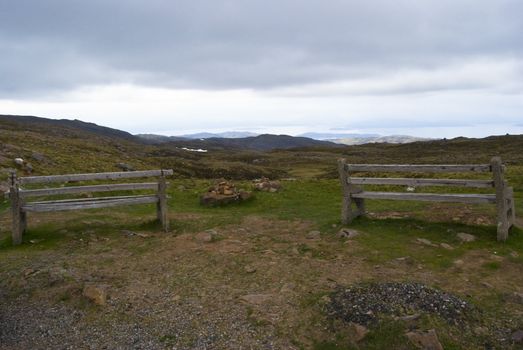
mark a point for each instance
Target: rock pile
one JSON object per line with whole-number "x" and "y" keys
{"x": 266, "y": 185}
{"x": 224, "y": 192}
{"x": 364, "y": 303}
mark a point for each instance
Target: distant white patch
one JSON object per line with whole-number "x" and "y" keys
{"x": 194, "y": 149}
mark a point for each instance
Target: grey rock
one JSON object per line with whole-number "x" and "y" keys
{"x": 466, "y": 237}
{"x": 348, "y": 233}
{"x": 125, "y": 167}
{"x": 313, "y": 235}
{"x": 426, "y": 242}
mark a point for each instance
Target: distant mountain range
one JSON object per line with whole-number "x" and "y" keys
{"x": 340, "y": 138}
{"x": 264, "y": 142}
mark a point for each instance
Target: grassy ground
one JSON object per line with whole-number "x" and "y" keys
{"x": 156, "y": 272}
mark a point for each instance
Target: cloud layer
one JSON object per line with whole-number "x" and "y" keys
{"x": 59, "y": 45}
{"x": 270, "y": 63}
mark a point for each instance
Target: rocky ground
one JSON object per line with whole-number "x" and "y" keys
{"x": 259, "y": 284}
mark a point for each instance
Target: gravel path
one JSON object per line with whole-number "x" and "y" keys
{"x": 185, "y": 325}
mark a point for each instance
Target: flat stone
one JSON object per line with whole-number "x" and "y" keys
{"x": 466, "y": 237}
{"x": 205, "y": 237}
{"x": 348, "y": 233}
{"x": 459, "y": 262}
{"x": 425, "y": 340}
{"x": 96, "y": 293}
{"x": 313, "y": 235}
{"x": 426, "y": 242}
{"x": 446, "y": 246}
{"x": 249, "y": 269}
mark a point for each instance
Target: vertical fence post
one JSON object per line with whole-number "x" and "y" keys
{"x": 16, "y": 209}
{"x": 501, "y": 201}
{"x": 346, "y": 215}
{"x": 162, "y": 203}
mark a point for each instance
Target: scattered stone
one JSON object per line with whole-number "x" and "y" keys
{"x": 143, "y": 235}
{"x": 35, "y": 241}
{"x": 514, "y": 254}
{"x": 19, "y": 161}
{"x": 426, "y": 242}
{"x": 459, "y": 262}
{"x": 128, "y": 233}
{"x": 96, "y": 293}
{"x": 357, "y": 332}
{"x": 249, "y": 269}
{"x": 205, "y": 237}
{"x": 266, "y": 185}
{"x": 125, "y": 167}
{"x": 222, "y": 193}
{"x": 176, "y": 298}
{"x": 256, "y": 299}
{"x": 517, "y": 336}
{"x": 466, "y": 237}
{"x": 406, "y": 259}
{"x": 446, "y": 246}
{"x": 425, "y": 340}
{"x": 313, "y": 235}
{"x": 348, "y": 233}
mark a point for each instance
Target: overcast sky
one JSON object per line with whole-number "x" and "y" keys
{"x": 427, "y": 68}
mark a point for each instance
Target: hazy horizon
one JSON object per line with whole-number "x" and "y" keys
{"x": 431, "y": 69}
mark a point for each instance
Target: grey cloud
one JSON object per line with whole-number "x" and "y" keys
{"x": 58, "y": 45}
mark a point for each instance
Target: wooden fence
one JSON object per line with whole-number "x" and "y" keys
{"x": 353, "y": 193}
{"x": 20, "y": 205}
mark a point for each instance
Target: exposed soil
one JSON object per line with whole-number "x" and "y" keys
{"x": 256, "y": 285}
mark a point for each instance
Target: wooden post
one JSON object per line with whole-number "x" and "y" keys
{"x": 16, "y": 206}
{"x": 511, "y": 206}
{"x": 501, "y": 202}
{"x": 162, "y": 203}
{"x": 346, "y": 210}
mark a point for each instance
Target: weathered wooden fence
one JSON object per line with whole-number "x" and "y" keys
{"x": 354, "y": 196}
{"x": 20, "y": 205}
